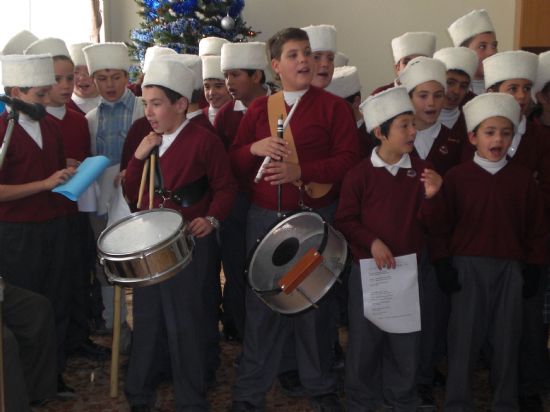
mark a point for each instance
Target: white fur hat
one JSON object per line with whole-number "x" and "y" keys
{"x": 211, "y": 46}
{"x": 517, "y": 64}
{"x": 77, "y": 55}
{"x": 543, "y": 73}
{"x": 56, "y": 47}
{"x": 252, "y": 56}
{"x": 384, "y": 106}
{"x": 18, "y": 43}
{"x": 345, "y": 82}
{"x": 172, "y": 74}
{"x": 467, "y": 26}
{"x": 458, "y": 58}
{"x": 421, "y": 70}
{"x": 340, "y": 59}
{"x": 191, "y": 61}
{"x": 34, "y": 70}
{"x": 321, "y": 37}
{"x": 211, "y": 67}
{"x": 153, "y": 52}
{"x": 411, "y": 43}
{"x": 103, "y": 56}
{"x": 488, "y": 105}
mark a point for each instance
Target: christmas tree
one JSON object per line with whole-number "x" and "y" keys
{"x": 181, "y": 24}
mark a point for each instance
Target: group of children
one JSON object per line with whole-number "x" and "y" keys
{"x": 422, "y": 166}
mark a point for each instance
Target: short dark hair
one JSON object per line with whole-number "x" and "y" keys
{"x": 8, "y": 90}
{"x": 477, "y": 127}
{"x": 172, "y": 95}
{"x": 466, "y": 43}
{"x": 277, "y": 41}
{"x": 496, "y": 86}
{"x": 385, "y": 127}
{"x": 351, "y": 98}
{"x": 251, "y": 72}
{"x": 63, "y": 58}
{"x": 460, "y": 72}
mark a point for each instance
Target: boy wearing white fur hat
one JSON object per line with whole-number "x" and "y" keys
{"x": 461, "y": 64}
{"x": 172, "y": 310}
{"x": 380, "y": 365}
{"x": 405, "y": 48}
{"x": 32, "y": 218}
{"x": 215, "y": 90}
{"x": 484, "y": 276}
{"x": 476, "y": 32}
{"x": 211, "y": 46}
{"x": 85, "y": 94}
{"x": 515, "y": 73}
{"x": 322, "y": 39}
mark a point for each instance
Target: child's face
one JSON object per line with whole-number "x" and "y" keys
{"x": 401, "y": 134}
{"x": 493, "y": 138}
{"x": 520, "y": 89}
{"x": 457, "y": 87}
{"x": 39, "y": 95}
{"x": 62, "y": 90}
{"x": 428, "y": 99}
{"x": 216, "y": 92}
{"x": 163, "y": 115}
{"x": 402, "y": 63}
{"x": 111, "y": 84}
{"x": 323, "y": 68}
{"x": 294, "y": 66}
{"x": 485, "y": 45}
{"x": 240, "y": 84}
{"x": 84, "y": 85}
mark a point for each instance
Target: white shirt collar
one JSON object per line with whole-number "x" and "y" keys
{"x": 196, "y": 113}
{"x": 57, "y": 112}
{"x": 425, "y": 139}
{"x": 449, "y": 117}
{"x": 517, "y": 136}
{"x": 168, "y": 138}
{"x": 477, "y": 86}
{"x": 212, "y": 113}
{"x": 239, "y": 106}
{"x": 360, "y": 123}
{"x": 32, "y": 127}
{"x": 86, "y": 104}
{"x": 404, "y": 162}
{"x": 292, "y": 97}
{"x": 491, "y": 167}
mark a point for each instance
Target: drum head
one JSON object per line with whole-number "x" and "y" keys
{"x": 140, "y": 231}
{"x": 282, "y": 247}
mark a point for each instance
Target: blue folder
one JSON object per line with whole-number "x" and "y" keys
{"x": 88, "y": 171}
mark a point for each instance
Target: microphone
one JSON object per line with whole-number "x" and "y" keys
{"x": 35, "y": 111}
{"x": 267, "y": 159}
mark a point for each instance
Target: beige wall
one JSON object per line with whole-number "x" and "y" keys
{"x": 365, "y": 27}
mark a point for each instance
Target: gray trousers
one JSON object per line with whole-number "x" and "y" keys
{"x": 379, "y": 365}
{"x": 29, "y": 349}
{"x": 173, "y": 311}
{"x": 487, "y": 308}
{"x": 266, "y": 333}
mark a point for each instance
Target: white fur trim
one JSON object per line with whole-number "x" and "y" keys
{"x": 543, "y": 72}
{"x": 458, "y": 58}
{"x": 251, "y": 56}
{"x": 411, "y": 43}
{"x": 153, "y": 52}
{"x": 18, "y": 43}
{"x": 508, "y": 65}
{"x": 211, "y": 46}
{"x": 321, "y": 37}
{"x": 191, "y": 61}
{"x": 172, "y": 74}
{"x": 340, "y": 59}
{"x": 421, "y": 70}
{"x": 384, "y": 106}
{"x": 104, "y": 56}
{"x": 211, "y": 67}
{"x": 27, "y": 71}
{"x": 51, "y": 45}
{"x": 77, "y": 55}
{"x": 345, "y": 82}
{"x": 467, "y": 26}
{"x": 488, "y": 105}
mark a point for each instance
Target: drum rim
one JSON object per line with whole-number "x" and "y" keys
{"x": 152, "y": 249}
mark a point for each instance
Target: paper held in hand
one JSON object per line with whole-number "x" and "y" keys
{"x": 390, "y": 296}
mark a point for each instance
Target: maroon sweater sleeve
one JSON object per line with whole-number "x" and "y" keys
{"x": 139, "y": 129}
{"x": 537, "y": 227}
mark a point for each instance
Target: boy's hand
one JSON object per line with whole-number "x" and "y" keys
{"x": 200, "y": 227}
{"x": 59, "y": 177}
{"x": 274, "y": 147}
{"x": 432, "y": 182}
{"x": 282, "y": 172}
{"x": 147, "y": 144}
{"x": 382, "y": 255}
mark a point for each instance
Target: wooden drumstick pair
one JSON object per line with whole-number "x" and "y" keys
{"x": 148, "y": 168}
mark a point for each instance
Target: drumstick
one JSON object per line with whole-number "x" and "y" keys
{"x": 280, "y": 133}
{"x": 142, "y": 184}
{"x": 152, "y": 179}
{"x": 116, "y": 343}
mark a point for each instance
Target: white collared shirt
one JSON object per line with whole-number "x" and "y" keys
{"x": 239, "y": 107}
{"x": 425, "y": 139}
{"x": 86, "y": 104}
{"x": 292, "y": 97}
{"x": 517, "y": 137}
{"x": 57, "y": 112}
{"x": 32, "y": 127}
{"x": 477, "y": 86}
{"x": 491, "y": 167}
{"x": 448, "y": 117}
{"x": 212, "y": 113}
{"x": 404, "y": 162}
{"x": 168, "y": 138}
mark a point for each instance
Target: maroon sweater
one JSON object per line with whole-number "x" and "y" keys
{"x": 227, "y": 123}
{"x": 137, "y": 131}
{"x": 382, "y": 88}
{"x": 446, "y": 151}
{"x": 202, "y": 121}
{"x": 73, "y": 106}
{"x": 194, "y": 153}
{"x": 374, "y": 204}
{"x": 325, "y": 135}
{"x": 499, "y": 216}
{"x": 25, "y": 162}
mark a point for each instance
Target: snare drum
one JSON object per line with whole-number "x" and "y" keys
{"x": 145, "y": 248}
{"x": 297, "y": 262}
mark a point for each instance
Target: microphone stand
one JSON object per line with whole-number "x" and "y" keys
{"x": 2, "y": 393}
{"x": 13, "y": 118}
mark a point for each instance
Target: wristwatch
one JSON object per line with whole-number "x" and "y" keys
{"x": 213, "y": 221}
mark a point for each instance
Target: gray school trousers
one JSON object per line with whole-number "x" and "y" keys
{"x": 380, "y": 366}
{"x": 266, "y": 333}
{"x": 487, "y": 308}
